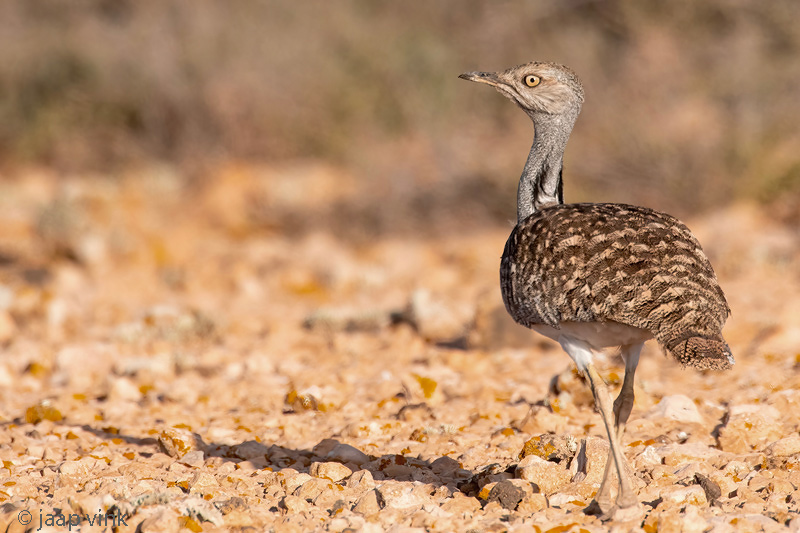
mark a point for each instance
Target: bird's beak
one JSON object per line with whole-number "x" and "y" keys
{"x": 489, "y": 78}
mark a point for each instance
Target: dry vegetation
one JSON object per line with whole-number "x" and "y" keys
{"x": 249, "y": 253}
{"x": 689, "y": 104}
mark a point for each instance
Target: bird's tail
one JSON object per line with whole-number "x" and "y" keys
{"x": 700, "y": 352}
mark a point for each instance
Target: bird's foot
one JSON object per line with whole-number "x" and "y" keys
{"x": 599, "y": 507}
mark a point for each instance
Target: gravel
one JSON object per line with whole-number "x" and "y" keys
{"x": 182, "y": 375}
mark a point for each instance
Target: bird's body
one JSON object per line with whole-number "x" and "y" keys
{"x": 611, "y": 266}
{"x": 592, "y": 276}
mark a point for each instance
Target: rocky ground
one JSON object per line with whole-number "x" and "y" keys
{"x": 172, "y": 357}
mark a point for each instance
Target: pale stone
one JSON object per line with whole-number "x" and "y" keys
{"x": 750, "y": 427}
{"x": 177, "y": 442}
{"x": 87, "y": 464}
{"x": 752, "y": 504}
{"x": 548, "y": 476}
{"x": 461, "y": 505}
{"x": 7, "y": 377}
{"x": 759, "y": 481}
{"x": 178, "y": 468}
{"x": 161, "y": 364}
{"x": 313, "y": 488}
{"x": 338, "y": 524}
{"x": 7, "y": 327}
{"x": 361, "y": 481}
{"x": 747, "y": 522}
{"x": 780, "y": 487}
{"x": 203, "y": 483}
{"x": 687, "y": 471}
{"x": 222, "y": 436}
{"x": 572, "y": 382}
{"x": 566, "y": 499}
{"x": 676, "y": 407}
{"x": 159, "y": 520}
{"x": 589, "y": 463}
{"x": 794, "y": 479}
{"x": 332, "y": 471}
{"x": 200, "y": 508}
{"x": 74, "y": 468}
{"x": 726, "y": 483}
{"x": 442, "y": 493}
{"x": 89, "y": 503}
{"x": 550, "y": 447}
{"x": 124, "y": 389}
{"x": 271, "y": 479}
{"x": 36, "y": 450}
{"x": 737, "y": 468}
{"x": 648, "y": 457}
{"x": 693, "y": 521}
{"x": 437, "y": 319}
{"x": 754, "y": 461}
{"x": 532, "y": 503}
{"x": 787, "y": 402}
{"x": 330, "y": 498}
{"x": 84, "y": 366}
{"x": 399, "y": 495}
{"x": 6, "y": 297}
{"x": 493, "y": 508}
{"x": 679, "y": 454}
{"x": 541, "y": 419}
{"x": 195, "y": 458}
{"x": 344, "y": 453}
{"x": 292, "y": 481}
{"x": 295, "y": 504}
{"x": 778, "y": 509}
{"x": 784, "y": 447}
{"x": 428, "y": 518}
{"x": 677, "y": 495}
{"x": 367, "y": 504}
{"x": 52, "y": 456}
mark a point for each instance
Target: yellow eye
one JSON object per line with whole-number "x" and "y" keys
{"x": 532, "y": 81}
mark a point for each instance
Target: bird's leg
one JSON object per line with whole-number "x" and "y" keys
{"x": 622, "y": 410}
{"x": 582, "y": 354}
{"x": 626, "y": 498}
{"x": 623, "y": 405}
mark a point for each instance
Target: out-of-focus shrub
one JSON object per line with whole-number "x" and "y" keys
{"x": 689, "y": 104}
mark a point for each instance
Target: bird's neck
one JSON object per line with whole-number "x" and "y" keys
{"x": 540, "y": 184}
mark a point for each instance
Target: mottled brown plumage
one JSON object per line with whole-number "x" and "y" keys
{"x": 596, "y": 275}
{"x": 620, "y": 263}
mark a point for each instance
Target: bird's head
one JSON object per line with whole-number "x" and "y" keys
{"x": 538, "y": 88}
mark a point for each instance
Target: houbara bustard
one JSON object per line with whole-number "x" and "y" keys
{"x": 592, "y": 276}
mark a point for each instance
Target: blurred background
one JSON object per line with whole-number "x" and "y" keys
{"x": 353, "y": 110}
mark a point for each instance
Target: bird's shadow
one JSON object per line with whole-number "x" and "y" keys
{"x": 252, "y": 456}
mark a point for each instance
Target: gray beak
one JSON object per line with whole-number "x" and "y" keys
{"x": 489, "y": 78}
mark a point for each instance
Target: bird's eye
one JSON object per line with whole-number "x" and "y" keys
{"x": 532, "y": 81}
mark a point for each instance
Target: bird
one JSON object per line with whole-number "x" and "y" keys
{"x": 597, "y": 275}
